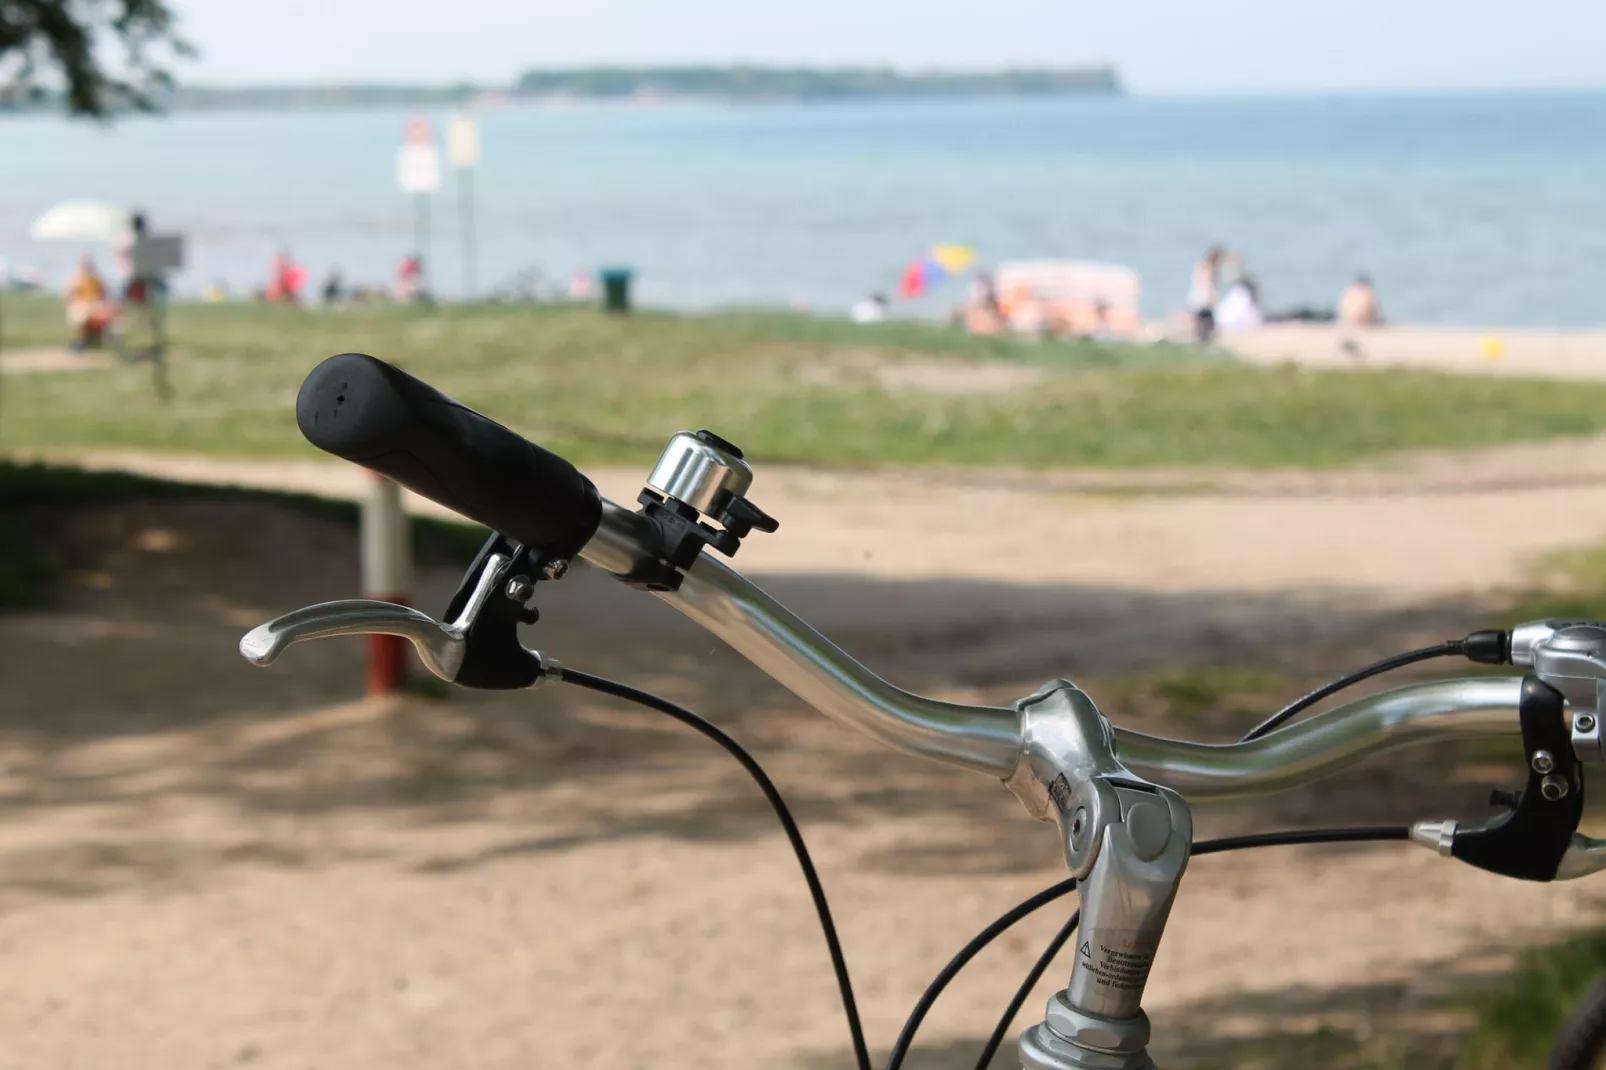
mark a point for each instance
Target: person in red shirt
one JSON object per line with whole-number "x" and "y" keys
{"x": 410, "y": 278}
{"x": 286, "y": 279}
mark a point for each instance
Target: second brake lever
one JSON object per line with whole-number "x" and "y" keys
{"x": 478, "y": 648}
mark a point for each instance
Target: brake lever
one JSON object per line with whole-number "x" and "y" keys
{"x": 478, "y": 648}
{"x": 1537, "y": 839}
{"x": 439, "y": 646}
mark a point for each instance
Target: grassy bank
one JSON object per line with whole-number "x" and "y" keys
{"x": 787, "y": 388}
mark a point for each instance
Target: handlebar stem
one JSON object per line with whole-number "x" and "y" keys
{"x": 1127, "y": 842}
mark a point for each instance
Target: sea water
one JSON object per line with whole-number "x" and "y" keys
{"x": 1465, "y": 209}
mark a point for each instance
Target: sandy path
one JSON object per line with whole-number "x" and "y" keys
{"x": 51, "y": 359}
{"x": 371, "y": 886}
{"x": 1402, "y": 529}
{"x": 190, "y": 877}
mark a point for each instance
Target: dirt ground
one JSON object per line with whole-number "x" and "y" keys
{"x": 208, "y": 865}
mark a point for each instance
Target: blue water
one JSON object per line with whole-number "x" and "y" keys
{"x": 1465, "y": 209}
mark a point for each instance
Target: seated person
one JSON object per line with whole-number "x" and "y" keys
{"x": 1357, "y": 306}
{"x": 87, "y": 312}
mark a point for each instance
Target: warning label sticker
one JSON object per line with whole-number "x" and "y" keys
{"x": 1117, "y": 958}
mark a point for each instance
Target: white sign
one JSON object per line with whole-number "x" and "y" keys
{"x": 463, "y": 141}
{"x": 157, "y": 254}
{"x": 418, "y": 168}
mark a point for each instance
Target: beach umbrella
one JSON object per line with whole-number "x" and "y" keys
{"x": 937, "y": 263}
{"x": 80, "y": 221}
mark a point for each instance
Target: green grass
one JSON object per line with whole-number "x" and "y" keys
{"x": 1192, "y": 693}
{"x": 29, "y": 320}
{"x": 1571, "y": 583}
{"x": 923, "y": 336}
{"x": 1517, "y": 1022}
{"x": 31, "y": 493}
{"x": 787, "y": 388}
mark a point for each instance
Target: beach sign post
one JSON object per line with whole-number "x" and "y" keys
{"x": 418, "y": 171}
{"x": 463, "y": 150}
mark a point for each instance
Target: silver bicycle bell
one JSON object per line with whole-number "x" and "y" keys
{"x": 702, "y": 470}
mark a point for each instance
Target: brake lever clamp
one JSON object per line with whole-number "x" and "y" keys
{"x": 1537, "y": 838}
{"x": 478, "y": 648}
{"x": 1127, "y": 843}
{"x": 1571, "y": 657}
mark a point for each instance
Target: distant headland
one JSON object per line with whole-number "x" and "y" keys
{"x": 740, "y": 83}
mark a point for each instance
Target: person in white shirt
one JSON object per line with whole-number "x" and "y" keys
{"x": 1240, "y": 309}
{"x": 872, "y": 309}
{"x": 123, "y": 251}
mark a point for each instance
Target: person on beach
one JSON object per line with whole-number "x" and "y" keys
{"x": 285, "y": 279}
{"x": 410, "y": 278}
{"x": 1357, "y": 306}
{"x": 87, "y": 312}
{"x": 1202, "y": 293}
{"x": 872, "y": 309}
{"x": 1239, "y": 310}
{"x": 123, "y": 252}
{"x": 334, "y": 288}
{"x": 982, "y": 312}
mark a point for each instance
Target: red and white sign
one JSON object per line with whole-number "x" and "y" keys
{"x": 418, "y": 163}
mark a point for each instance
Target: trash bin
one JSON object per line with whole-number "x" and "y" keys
{"x": 615, "y": 289}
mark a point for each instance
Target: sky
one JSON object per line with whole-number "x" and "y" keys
{"x": 1162, "y": 47}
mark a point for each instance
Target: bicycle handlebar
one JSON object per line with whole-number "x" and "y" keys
{"x": 377, "y": 415}
{"x": 987, "y": 738}
{"x": 369, "y": 412}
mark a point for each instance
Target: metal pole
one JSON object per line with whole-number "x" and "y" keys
{"x": 421, "y": 237}
{"x": 466, "y": 204}
{"x": 156, "y": 301}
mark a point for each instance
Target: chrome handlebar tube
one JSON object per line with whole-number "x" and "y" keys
{"x": 987, "y": 739}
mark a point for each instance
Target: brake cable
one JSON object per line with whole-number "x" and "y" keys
{"x": 602, "y": 685}
{"x": 822, "y": 908}
{"x": 1054, "y": 892}
{"x": 1485, "y": 647}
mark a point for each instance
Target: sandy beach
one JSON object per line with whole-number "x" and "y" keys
{"x": 1502, "y": 351}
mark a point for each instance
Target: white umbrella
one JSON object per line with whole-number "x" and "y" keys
{"x": 80, "y": 221}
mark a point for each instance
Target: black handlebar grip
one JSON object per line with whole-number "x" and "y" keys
{"x": 378, "y": 416}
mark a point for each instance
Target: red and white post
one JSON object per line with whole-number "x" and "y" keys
{"x": 386, "y": 575}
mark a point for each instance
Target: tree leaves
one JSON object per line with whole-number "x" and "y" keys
{"x": 95, "y": 57}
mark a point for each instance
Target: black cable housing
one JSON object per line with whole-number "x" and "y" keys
{"x": 1059, "y": 890}
{"x": 839, "y": 964}
{"x": 1449, "y": 648}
